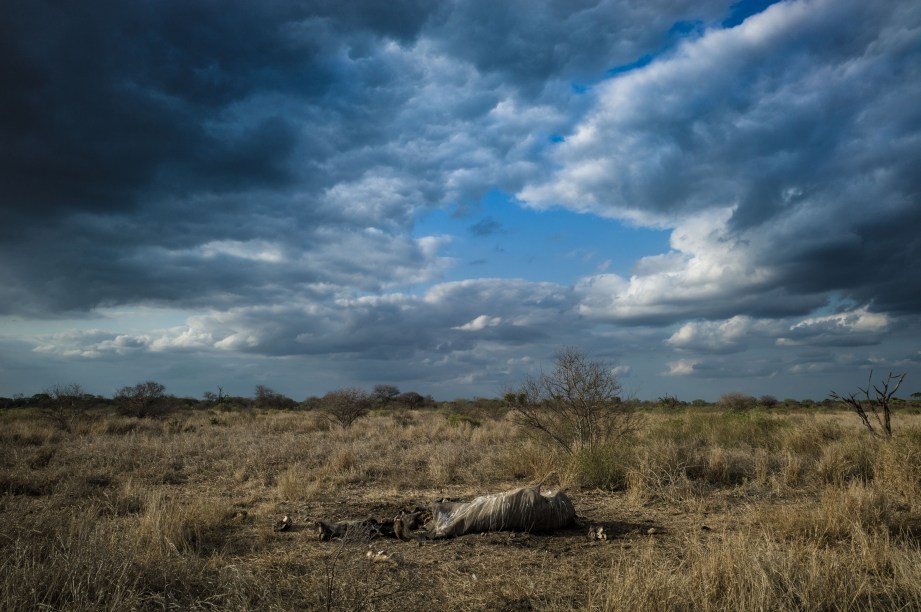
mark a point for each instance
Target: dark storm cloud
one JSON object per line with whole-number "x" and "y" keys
{"x": 576, "y": 40}
{"x": 802, "y": 124}
{"x": 151, "y": 149}
{"x": 260, "y": 167}
{"x": 134, "y": 133}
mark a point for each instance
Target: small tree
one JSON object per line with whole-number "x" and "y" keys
{"x": 65, "y": 403}
{"x": 411, "y": 400}
{"x": 268, "y": 398}
{"x": 669, "y": 402}
{"x": 737, "y": 402}
{"x": 384, "y": 394}
{"x": 881, "y": 402}
{"x": 577, "y": 406}
{"x": 142, "y": 400}
{"x": 345, "y": 406}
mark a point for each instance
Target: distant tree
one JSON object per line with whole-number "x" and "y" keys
{"x": 267, "y": 398}
{"x": 768, "y": 401}
{"x": 64, "y": 404}
{"x": 669, "y": 402}
{"x": 312, "y": 403}
{"x": 737, "y": 402}
{"x": 345, "y": 406}
{"x": 141, "y": 400}
{"x": 384, "y": 394}
{"x": 880, "y": 402}
{"x": 410, "y": 399}
{"x": 576, "y": 406}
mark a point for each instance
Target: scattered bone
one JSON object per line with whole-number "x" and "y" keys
{"x": 283, "y": 525}
{"x": 596, "y": 532}
{"x": 238, "y": 516}
{"x": 380, "y": 557}
{"x": 370, "y": 527}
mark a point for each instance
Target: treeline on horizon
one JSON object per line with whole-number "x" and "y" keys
{"x": 149, "y": 399}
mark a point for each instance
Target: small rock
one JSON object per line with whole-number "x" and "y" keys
{"x": 651, "y": 531}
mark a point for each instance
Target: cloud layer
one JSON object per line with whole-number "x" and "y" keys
{"x": 262, "y": 168}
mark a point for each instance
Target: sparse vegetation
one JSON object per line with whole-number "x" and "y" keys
{"x": 702, "y": 507}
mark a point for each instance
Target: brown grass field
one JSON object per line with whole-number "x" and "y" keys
{"x": 705, "y": 510}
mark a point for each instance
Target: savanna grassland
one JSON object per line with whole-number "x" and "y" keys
{"x": 704, "y": 509}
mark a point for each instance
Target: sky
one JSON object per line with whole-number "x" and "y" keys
{"x": 709, "y": 196}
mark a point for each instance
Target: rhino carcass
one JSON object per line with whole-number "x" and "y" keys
{"x": 524, "y": 509}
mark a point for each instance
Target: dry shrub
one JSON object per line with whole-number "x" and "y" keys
{"x": 661, "y": 473}
{"x": 77, "y": 563}
{"x": 169, "y": 526}
{"x": 450, "y": 463}
{"x": 297, "y": 483}
{"x": 727, "y": 467}
{"x": 736, "y": 401}
{"x": 29, "y": 433}
{"x": 302, "y": 423}
{"x": 753, "y": 571}
{"x": 526, "y": 460}
{"x": 792, "y": 469}
{"x": 810, "y": 436}
{"x": 605, "y": 467}
{"x": 897, "y": 466}
{"x": 841, "y": 513}
{"x": 765, "y": 465}
{"x": 844, "y": 461}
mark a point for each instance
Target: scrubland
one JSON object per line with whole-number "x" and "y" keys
{"x": 704, "y": 510}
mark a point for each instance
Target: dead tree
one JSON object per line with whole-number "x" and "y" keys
{"x": 880, "y": 405}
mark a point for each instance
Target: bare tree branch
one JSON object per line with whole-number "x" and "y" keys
{"x": 576, "y": 406}
{"x": 880, "y": 402}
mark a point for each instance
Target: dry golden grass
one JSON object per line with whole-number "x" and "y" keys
{"x": 704, "y": 511}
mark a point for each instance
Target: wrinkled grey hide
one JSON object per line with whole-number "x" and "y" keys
{"x": 523, "y": 509}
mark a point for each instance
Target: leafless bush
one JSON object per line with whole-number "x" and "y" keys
{"x": 65, "y": 403}
{"x": 265, "y": 397}
{"x": 738, "y": 402}
{"x": 347, "y": 405}
{"x": 142, "y": 400}
{"x": 577, "y": 406}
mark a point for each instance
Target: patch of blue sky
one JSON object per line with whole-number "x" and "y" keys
{"x": 681, "y": 30}
{"x": 501, "y": 239}
{"x": 133, "y": 319}
{"x": 742, "y": 10}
